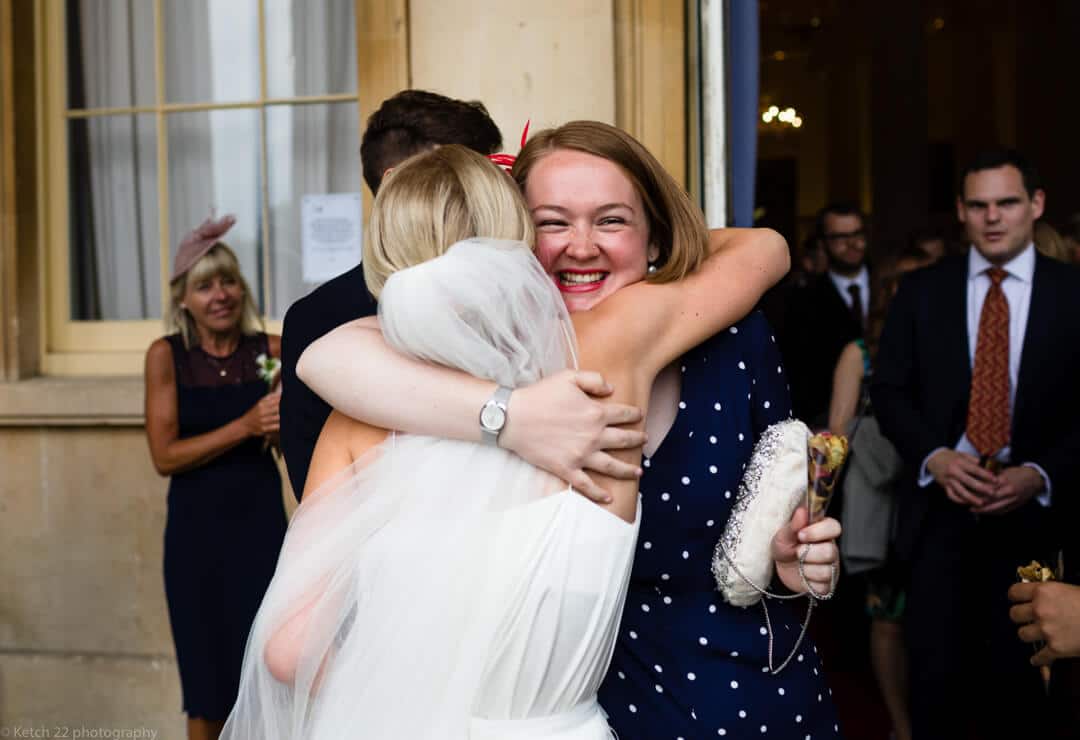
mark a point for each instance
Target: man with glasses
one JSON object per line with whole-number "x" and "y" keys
{"x": 828, "y": 313}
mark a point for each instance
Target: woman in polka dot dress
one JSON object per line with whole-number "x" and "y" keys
{"x": 687, "y": 664}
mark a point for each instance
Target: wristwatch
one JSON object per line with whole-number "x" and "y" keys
{"x": 493, "y": 415}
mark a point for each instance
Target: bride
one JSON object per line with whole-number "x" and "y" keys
{"x": 430, "y": 588}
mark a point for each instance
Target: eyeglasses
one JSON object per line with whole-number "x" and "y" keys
{"x": 844, "y": 235}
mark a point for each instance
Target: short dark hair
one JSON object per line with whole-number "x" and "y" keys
{"x": 991, "y": 159}
{"x": 413, "y": 121}
{"x": 836, "y": 208}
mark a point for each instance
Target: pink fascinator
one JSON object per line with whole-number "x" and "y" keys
{"x": 198, "y": 242}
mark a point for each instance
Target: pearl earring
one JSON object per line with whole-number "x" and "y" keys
{"x": 652, "y": 268}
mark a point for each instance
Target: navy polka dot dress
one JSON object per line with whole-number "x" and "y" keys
{"x": 687, "y": 664}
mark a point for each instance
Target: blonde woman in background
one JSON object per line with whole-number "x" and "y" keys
{"x": 209, "y": 416}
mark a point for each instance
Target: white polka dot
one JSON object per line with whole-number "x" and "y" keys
{"x": 734, "y": 684}
{"x": 691, "y": 676}
{"x": 747, "y": 396}
{"x": 685, "y": 555}
{"x": 658, "y": 669}
{"x": 780, "y": 691}
{"x": 716, "y": 406}
{"x": 836, "y": 728}
{"x": 693, "y": 714}
{"x": 764, "y": 728}
{"x": 683, "y": 368}
{"x": 647, "y": 545}
{"x": 633, "y": 709}
{"x": 664, "y": 576}
{"x": 819, "y": 697}
{"x": 741, "y": 437}
{"x": 678, "y": 507}
{"x": 734, "y": 653}
{"x": 633, "y": 635}
{"x": 734, "y": 330}
{"x": 622, "y": 675}
{"x": 702, "y": 641}
{"x": 800, "y": 658}
{"x": 645, "y": 608}
{"x": 763, "y": 631}
{"x": 685, "y": 480}
{"x": 646, "y": 462}
{"x": 665, "y": 496}
{"x": 727, "y": 494}
{"x": 798, "y": 718}
{"x": 742, "y": 713}
{"x": 690, "y": 435}
{"x": 667, "y": 599}
{"x": 712, "y": 440}
{"x": 766, "y": 404}
{"x": 682, "y": 404}
{"x": 712, "y": 608}
{"x": 764, "y": 669}
{"x": 659, "y": 689}
{"x": 709, "y": 523}
{"x": 721, "y": 731}
{"x": 742, "y": 365}
{"x": 815, "y": 671}
{"x": 778, "y": 370}
{"x": 712, "y": 469}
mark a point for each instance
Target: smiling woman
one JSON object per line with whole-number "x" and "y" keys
{"x": 210, "y": 411}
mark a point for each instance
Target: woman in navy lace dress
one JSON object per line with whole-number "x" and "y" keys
{"x": 208, "y": 419}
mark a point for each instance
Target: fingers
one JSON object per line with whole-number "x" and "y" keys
{"x": 799, "y": 519}
{"x": 616, "y": 414}
{"x": 592, "y": 383}
{"x": 822, "y": 531}
{"x": 959, "y": 494}
{"x": 972, "y": 469}
{"x": 998, "y": 506}
{"x": 821, "y": 553}
{"x": 1046, "y": 656}
{"x": 605, "y": 464}
{"x": 1021, "y": 592}
{"x": 583, "y": 484}
{"x": 1031, "y": 633}
{"x": 613, "y": 438}
{"x": 976, "y": 485}
{"x": 1022, "y": 613}
{"x": 819, "y": 574}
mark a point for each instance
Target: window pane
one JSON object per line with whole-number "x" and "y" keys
{"x": 310, "y": 47}
{"x": 312, "y": 149}
{"x": 115, "y": 256}
{"x": 214, "y": 167}
{"x": 110, "y": 52}
{"x": 211, "y": 50}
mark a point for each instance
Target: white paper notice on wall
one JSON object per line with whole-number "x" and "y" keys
{"x": 331, "y": 228}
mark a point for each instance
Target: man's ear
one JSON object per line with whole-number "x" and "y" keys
{"x": 1038, "y": 203}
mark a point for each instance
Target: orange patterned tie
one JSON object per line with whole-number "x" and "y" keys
{"x": 988, "y": 409}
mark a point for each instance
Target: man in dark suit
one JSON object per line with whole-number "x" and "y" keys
{"x": 408, "y": 123}
{"x": 975, "y": 385}
{"x": 827, "y": 313}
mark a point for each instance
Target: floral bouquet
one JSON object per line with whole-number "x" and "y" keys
{"x": 826, "y": 454}
{"x": 269, "y": 371}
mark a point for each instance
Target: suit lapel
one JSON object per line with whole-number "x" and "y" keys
{"x": 1036, "y": 337}
{"x": 955, "y": 354}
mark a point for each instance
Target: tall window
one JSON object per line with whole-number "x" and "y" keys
{"x": 163, "y": 112}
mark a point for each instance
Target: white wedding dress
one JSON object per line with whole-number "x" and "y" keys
{"x": 451, "y": 590}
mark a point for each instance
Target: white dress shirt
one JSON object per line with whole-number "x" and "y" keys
{"x": 843, "y": 282}
{"x": 1017, "y": 288}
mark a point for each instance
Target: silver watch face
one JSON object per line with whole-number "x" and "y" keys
{"x": 492, "y": 417}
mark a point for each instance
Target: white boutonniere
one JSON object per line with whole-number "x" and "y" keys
{"x": 269, "y": 368}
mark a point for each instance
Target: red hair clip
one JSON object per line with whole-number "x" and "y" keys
{"x": 506, "y": 161}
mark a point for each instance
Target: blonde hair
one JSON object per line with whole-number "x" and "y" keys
{"x": 676, "y": 226}
{"x": 220, "y": 260}
{"x": 1050, "y": 243}
{"x": 433, "y": 200}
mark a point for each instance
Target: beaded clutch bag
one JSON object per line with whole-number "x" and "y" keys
{"x": 773, "y": 486}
